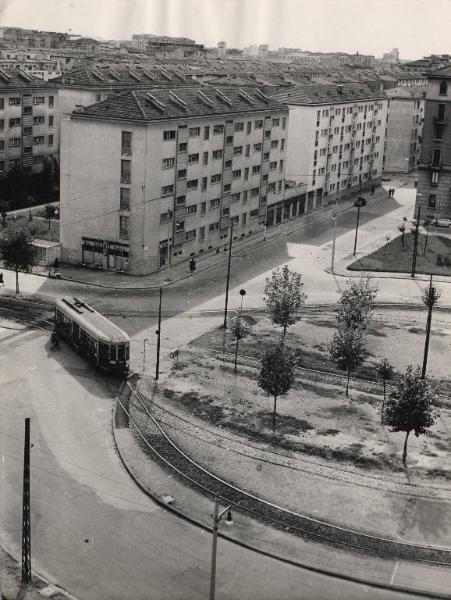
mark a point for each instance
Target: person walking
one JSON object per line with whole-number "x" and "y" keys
{"x": 372, "y": 190}
{"x": 192, "y": 265}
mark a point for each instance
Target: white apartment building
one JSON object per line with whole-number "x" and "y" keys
{"x": 28, "y": 121}
{"x": 150, "y": 178}
{"x": 335, "y": 139}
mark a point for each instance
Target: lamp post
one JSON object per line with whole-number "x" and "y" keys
{"x": 334, "y": 217}
{"x": 415, "y": 243}
{"x": 158, "y": 332}
{"x": 217, "y": 516}
{"x": 242, "y": 294}
{"x": 430, "y": 299}
{"x": 228, "y": 276}
{"x": 359, "y": 203}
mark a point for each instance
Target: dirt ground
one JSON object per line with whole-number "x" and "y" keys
{"x": 316, "y": 418}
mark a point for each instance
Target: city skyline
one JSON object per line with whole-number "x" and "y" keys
{"x": 323, "y": 26}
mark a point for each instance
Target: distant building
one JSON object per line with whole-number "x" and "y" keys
{"x": 222, "y": 49}
{"x": 336, "y": 140}
{"x": 28, "y": 121}
{"x": 37, "y": 64}
{"x": 434, "y": 169}
{"x": 16, "y": 37}
{"x": 153, "y": 178}
{"x": 404, "y": 128}
{"x": 391, "y": 58}
{"x": 251, "y": 50}
{"x": 170, "y": 47}
{"x": 362, "y": 60}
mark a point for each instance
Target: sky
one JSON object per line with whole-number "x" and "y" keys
{"x": 416, "y": 27}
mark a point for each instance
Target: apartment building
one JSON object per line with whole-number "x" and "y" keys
{"x": 150, "y": 178}
{"x": 404, "y": 128}
{"x": 28, "y": 121}
{"x": 336, "y": 140}
{"x": 434, "y": 168}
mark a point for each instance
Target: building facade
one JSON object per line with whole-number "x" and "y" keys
{"x": 335, "y": 139}
{"x": 28, "y": 121}
{"x": 404, "y": 129}
{"x": 153, "y": 178}
{"x": 434, "y": 169}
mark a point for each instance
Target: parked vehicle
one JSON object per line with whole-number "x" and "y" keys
{"x": 93, "y": 335}
{"x": 443, "y": 222}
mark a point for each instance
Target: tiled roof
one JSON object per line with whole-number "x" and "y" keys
{"x": 443, "y": 72}
{"x": 18, "y": 79}
{"x": 178, "y": 103}
{"x": 410, "y": 92}
{"x": 327, "y": 94}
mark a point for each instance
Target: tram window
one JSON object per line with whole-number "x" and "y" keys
{"x": 121, "y": 352}
{"x": 127, "y": 352}
{"x": 113, "y": 352}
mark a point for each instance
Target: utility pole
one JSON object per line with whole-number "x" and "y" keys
{"x": 217, "y": 516}
{"x": 228, "y": 276}
{"x": 334, "y": 217}
{"x": 430, "y": 298}
{"x": 415, "y": 243}
{"x": 158, "y": 332}
{"x": 360, "y": 202}
{"x": 26, "y": 525}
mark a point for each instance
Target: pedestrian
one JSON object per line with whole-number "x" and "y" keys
{"x": 192, "y": 265}
{"x": 1, "y": 279}
{"x": 389, "y": 192}
{"x": 372, "y": 190}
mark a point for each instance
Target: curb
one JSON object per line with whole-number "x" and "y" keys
{"x": 318, "y": 570}
{"x": 385, "y": 275}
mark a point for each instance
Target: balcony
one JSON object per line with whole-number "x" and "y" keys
{"x": 435, "y": 166}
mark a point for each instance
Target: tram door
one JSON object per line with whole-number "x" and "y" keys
{"x": 104, "y": 355}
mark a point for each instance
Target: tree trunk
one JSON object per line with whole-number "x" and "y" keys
{"x": 49, "y": 223}
{"x": 274, "y": 417}
{"x": 236, "y": 353}
{"x": 383, "y": 405}
{"x": 404, "y": 452}
{"x": 347, "y": 382}
{"x": 17, "y": 280}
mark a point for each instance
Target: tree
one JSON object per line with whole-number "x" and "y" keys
{"x": 431, "y": 296}
{"x": 50, "y": 211}
{"x": 239, "y": 329}
{"x": 277, "y": 374}
{"x": 409, "y": 407}
{"x": 387, "y": 241}
{"x": 386, "y": 372}
{"x": 347, "y": 350}
{"x": 356, "y": 304}
{"x": 284, "y": 297}
{"x": 402, "y": 228}
{"x": 18, "y": 254}
{"x": 4, "y": 205}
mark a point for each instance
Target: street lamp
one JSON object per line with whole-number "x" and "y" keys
{"x": 158, "y": 332}
{"x": 334, "y": 217}
{"x": 242, "y": 294}
{"x": 359, "y": 203}
{"x": 217, "y": 516}
{"x": 228, "y": 276}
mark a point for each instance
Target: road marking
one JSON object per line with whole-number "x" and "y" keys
{"x": 395, "y": 571}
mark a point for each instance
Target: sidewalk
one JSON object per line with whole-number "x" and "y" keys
{"x": 113, "y": 280}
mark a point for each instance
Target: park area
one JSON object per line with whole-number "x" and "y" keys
{"x": 316, "y": 418}
{"x": 395, "y": 256}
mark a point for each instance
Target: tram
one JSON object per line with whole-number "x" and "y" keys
{"x": 93, "y": 335}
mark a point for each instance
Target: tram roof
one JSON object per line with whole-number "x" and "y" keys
{"x": 92, "y": 321}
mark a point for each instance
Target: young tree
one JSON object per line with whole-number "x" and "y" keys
{"x": 387, "y": 241}
{"x": 277, "y": 374}
{"x": 239, "y": 329}
{"x": 18, "y": 254}
{"x": 386, "y": 372}
{"x": 347, "y": 350}
{"x": 431, "y": 296}
{"x": 284, "y": 297}
{"x": 409, "y": 407}
{"x": 402, "y": 228}
{"x": 50, "y": 211}
{"x": 356, "y": 304}
{"x": 4, "y": 205}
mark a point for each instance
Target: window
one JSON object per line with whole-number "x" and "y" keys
{"x": 248, "y": 150}
{"x": 169, "y": 134}
{"x": 246, "y": 173}
{"x": 255, "y": 169}
{"x": 281, "y": 166}
{"x": 245, "y": 197}
{"x": 236, "y": 197}
{"x": 214, "y": 203}
{"x": 14, "y": 101}
{"x": 228, "y": 164}
{"x": 14, "y": 122}
{"x": 181, "y": 174}
{"x": 253, "y": 214}
{"x": 193, "y": 158}
{"x": 38, "y": 120}
{"x": 248, "y": 127}
{"x": 168, "y": 163}
{"x": 38, "y": 139}
{"x": 14, "y": 142}
{"x": 126, "y": 143}
{"x": 236, "y": 174}
{"x": 239, "y": 126}
{"x": 167, "y": 190}
{"x": 2, "y": 166}
{"x": 282, "y": 144}
{"x": 213, "y": 227}
{"x": 255, "y": 192}
{"x": 28, "y": 150}
{"x": 2, "y": 124}
{"x": 273, "y": 165}
{"x": 215, "y": 178}
{"x": 50, "y": 140}
{"x": 38, "y": 100}
{"x": 284, "y": 121}
{"x": 257, "y": 147}
{"x": 190, "y": 235}
{"x": 180, "y": 226}
{"x": 192, "y": 184}
{"x": 205, "y": 159}
{"x": 218, "y": 129}
{"x": 2, "y": 103}
{"x": 441, "y": 112}
{"x": 238, "y": 151}
{"x": 51, "y": 98}
{"x": 217, "y": 154}
{"x": 192, "y": 210}
{"x": 194, "y": 131}
{"x": 227, "y": 188}
{"x": 268, "y": 134}
{"x": 274, "y": 143}
{"x": 183, "y": 147}
{"x": 180, "y": 201}
{"x": 207, "y": 132}
{"x": 2, "y": 145}
{"x": 432, "y": 200}
{"x": 124, "y": 200}
{"x": 443, "y": 88}
{"x": 51, "y": 121}
{"x": 229, "y": 140}
{"x": 124, "y": 232}
{"x": 204, "y": 184}
{"x": 258, "y": 124}
{"x": 225, "y": 211}
{"x": 203, "y": 208}
{"x": 201, "y": 234}
{"x": 276, "y": 122}
{"x": 434, "y": 178}
{"x": 436, "y": 157}
{"x": 438, "y": 133}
